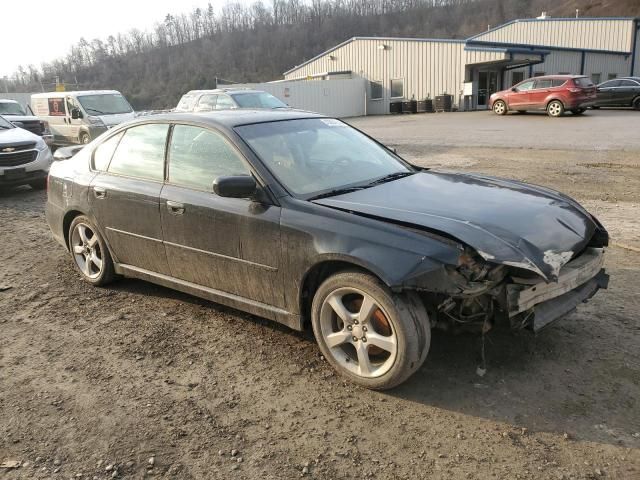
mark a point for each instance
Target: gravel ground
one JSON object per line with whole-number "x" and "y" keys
{"x": 136, "y": 380}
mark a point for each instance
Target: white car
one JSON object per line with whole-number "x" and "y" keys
{"x": 16, "y": 114}
{"x": 227, "y": 99}
{"x": 25, "y": 158}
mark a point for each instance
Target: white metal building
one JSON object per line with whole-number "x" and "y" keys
{"x": 471, "y": 70}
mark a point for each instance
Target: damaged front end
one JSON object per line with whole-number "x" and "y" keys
{"x": 476, "y": 295}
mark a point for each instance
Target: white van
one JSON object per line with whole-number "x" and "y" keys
{"x": 79, "y": 117}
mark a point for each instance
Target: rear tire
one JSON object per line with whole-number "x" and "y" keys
{"x": 578, "y": 111}
{"x": 370, "y": 335}
{"x": 90, "y": 253}
{"x": 595, "y": 108}
{"x": 39, "y": 184}
{"x": 500, "y": 108}
{"x": 555, "y": 108}
{"x": 84, "y": 138}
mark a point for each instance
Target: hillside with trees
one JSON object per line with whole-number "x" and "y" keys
{"x": 259, "y": 42}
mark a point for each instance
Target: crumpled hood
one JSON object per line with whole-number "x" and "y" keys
{"x": 17, "y": 136}
{"x": 505, "y": 221}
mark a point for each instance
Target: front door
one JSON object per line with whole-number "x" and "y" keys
{"x": 227, "y": 244}
{"x": 520, "y": 96}
{"x": 125, "y": 198}
{"x": 487, "y": 86}
{"x": 74, "y": 124}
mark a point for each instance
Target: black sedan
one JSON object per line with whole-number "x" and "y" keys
{"x": 303, "y": 219}
{"x": 620, "y": 92}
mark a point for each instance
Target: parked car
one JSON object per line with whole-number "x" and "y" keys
{"x": 301, "y": 218}
{"x": 25, "y": 158}
{"x": 620, "y": 92}
{"x": 227, "y": 98}
{"x": 554, "y": 94}
{"x": 79, "y": 117}
{"x": 16, "y": 114}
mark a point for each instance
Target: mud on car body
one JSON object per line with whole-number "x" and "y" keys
{"x": 303, "y": 219}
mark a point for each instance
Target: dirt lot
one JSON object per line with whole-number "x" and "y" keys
{"x": 96, "y": 382}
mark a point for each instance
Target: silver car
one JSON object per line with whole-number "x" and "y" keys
{"x": 227, "y": 99}
{"x": 25, "y": 158}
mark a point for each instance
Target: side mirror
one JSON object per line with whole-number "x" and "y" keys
{"x": 76, "y": 114}
{"x": 514, "y": 89}
{"x": 65, "y": 153}
{"x": 237, "y": 186}
{"x": 393, "y": 149}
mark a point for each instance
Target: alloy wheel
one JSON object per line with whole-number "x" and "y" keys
{"x": 555, "y": 109}
{"x": 86, "y": 251}
{"x": 499, "y": 108}
{"x": 358, "y": 333}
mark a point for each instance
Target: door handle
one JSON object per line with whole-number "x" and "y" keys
{"x": 175, "y": 207}
{"x": 99, "y": 192}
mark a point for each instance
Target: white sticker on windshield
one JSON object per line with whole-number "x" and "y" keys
{"x": 332, "y": 122}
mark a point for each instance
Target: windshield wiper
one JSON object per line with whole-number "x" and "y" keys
{"x": 95, "y": 110}
{"x": 337, "y": 191}
{"x": 390, "y": 177}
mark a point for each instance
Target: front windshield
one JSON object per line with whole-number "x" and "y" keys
{"x": 4, "y": 124}
{"x": 10, "y": 108}
{"x": 105, "y": 104}
{"x": 257, "y": 100}
{"x": 317, "y": 155}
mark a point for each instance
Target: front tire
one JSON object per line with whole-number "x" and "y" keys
{"x": 90, "y": 253}
{"x": 373, "y": 337}
{"x": 500, "y": 108}
{"x": 84, "y": 138}
{"x": 636, "y": 103}
{"x": 555, "y": 108}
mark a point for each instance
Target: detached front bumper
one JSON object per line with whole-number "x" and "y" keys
{"x": 536, "y": 305}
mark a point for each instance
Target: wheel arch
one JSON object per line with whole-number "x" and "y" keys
{"x": 320, "y": 271}
{"x": 66, "y": 224}
{"x": 635, "y": 100}
{"x": 554, "y": 99}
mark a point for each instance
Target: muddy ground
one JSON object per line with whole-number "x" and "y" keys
{"x": 94, "y": 382}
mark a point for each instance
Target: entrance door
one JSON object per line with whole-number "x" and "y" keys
{"x": 487, "y": 85}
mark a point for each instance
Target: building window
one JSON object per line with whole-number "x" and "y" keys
{"x": 538, "y": 74}
{"x": 612, "y": 76}
{"x": 516, "y": 77}
{"x": 595, "y": 78}
{"x": 376, "y": 89}
{"x": 397, "y": 88}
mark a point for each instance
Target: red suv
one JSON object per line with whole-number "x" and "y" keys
{"x": 555, "y": 94}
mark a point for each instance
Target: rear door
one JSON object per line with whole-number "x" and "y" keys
{"x": 125, "y": 195}
{"x": 625, "y": 92}
{"x": 539, "y": 93}
{"x": 520, "y": 98}
{"x": 227, "y": 244}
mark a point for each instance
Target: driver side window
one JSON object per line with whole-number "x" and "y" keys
{"x": 523, "y": 87}
{"x": 198, "y": 156}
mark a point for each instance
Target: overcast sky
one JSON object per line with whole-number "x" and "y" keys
{"x": 36, "y": 31}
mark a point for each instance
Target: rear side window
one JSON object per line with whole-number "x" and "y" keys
{"x": 102, "y": 155}
{"x": 207, "y": 102}
{"x": 140, "y": 152}
{"x": 224, "y": 103}
{"x": 186, "y": 103}
{"x": 583, "y": 81}
{"x": 558, "y": 82}
{"x": 613, "y": 83}
{"x": 544, "y": 83}
{"x": 198, "y": 156}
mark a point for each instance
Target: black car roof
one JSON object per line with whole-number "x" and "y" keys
{"x": 234, "y": 118}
